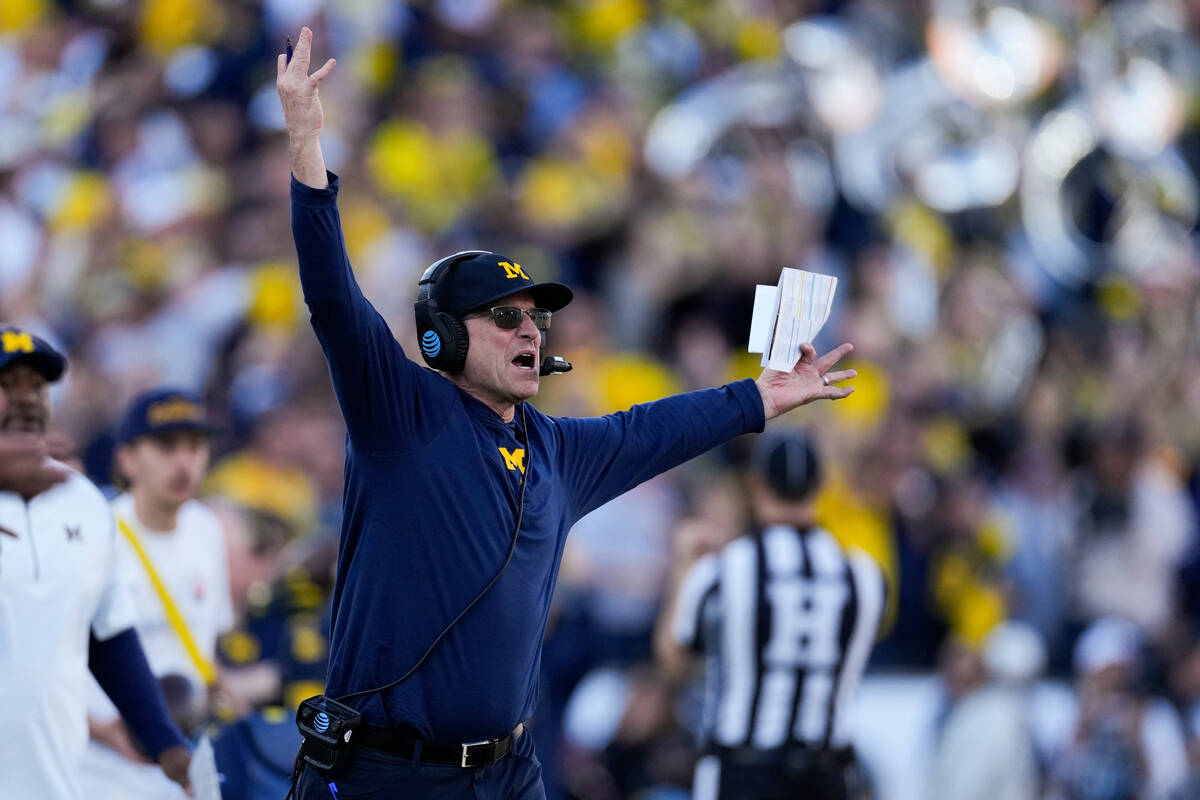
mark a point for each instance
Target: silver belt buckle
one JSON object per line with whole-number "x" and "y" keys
{"x": 465, "y": 745}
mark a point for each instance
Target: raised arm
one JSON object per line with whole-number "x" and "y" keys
{"x": 298, "y": 91}
{"x": 376, "y": 385}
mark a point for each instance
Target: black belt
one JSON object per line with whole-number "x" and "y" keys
{"x": 467, "y": 754}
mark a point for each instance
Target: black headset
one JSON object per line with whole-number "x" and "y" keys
{"x": 442, "y": 337}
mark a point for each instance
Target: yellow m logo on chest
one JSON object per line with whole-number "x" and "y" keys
{"x": 515, "y": 459}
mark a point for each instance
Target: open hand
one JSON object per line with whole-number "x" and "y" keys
{"x": 298, "y": 90}
{"x": 302, "y": 111}
{"x": 809, "y": 380}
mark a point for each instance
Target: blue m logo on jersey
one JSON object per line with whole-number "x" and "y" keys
{"x": 431, "y": 345}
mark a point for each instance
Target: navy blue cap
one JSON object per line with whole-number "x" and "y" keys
{"x": 20, "y": 346}
{"x": 163, "y": 411}
{"x": 476, "y": 280}
{"x": 787, "y": 460}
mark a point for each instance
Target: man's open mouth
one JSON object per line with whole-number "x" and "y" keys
{"x": 524, "y": 361}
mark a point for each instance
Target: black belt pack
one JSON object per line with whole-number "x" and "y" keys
{"x": 327, "y": 727}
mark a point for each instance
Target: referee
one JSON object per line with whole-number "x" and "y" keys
{"x": 785, "y": 619}
{"x": 458, "y": 498}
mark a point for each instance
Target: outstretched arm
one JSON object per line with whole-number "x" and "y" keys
{"x": 302, "y": 110}
{"x": 809, "y": 380}
{"x": 605, "y": 456}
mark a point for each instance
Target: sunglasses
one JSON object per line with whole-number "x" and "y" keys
{"x": 509, "y": 317}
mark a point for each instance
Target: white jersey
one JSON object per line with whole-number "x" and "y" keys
{"x": 191, "y": 562}
{"x": 58, "y": 579}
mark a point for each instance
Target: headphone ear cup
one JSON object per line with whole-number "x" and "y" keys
{"x": 457, "y": 342}
{"x": 429, "y": 341}
{"x": 442, "y": 339}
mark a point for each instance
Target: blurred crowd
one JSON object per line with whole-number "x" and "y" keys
{"x": 1008, "y": 193}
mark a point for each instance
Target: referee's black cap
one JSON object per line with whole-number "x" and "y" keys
{"x": 787, "y": 461}
{"x": 21, "y": 346}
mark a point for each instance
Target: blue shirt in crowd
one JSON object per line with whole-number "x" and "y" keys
{"x": 432, "y": 482}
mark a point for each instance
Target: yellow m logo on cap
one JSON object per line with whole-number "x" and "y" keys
{"x": 515, "y": 459}
{"x": 514, "y": 271}
{"x": 176, "y": 409}
{"x": 16, "y": 342}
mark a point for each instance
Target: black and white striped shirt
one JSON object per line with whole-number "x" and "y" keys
{"x": 786, "y": 619}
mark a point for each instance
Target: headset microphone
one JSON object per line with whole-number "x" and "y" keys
{"x": 552, "y": 365}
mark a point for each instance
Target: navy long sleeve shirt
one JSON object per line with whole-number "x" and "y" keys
{"x": 432, "y": 482}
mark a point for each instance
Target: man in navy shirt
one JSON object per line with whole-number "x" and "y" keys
{"x": 454, "y": 483}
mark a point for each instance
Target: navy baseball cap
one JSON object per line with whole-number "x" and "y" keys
{"x": 787, "y": 460}
{"x": 20, "y": 346}
{"x": 163, "y": 411}
{"x": 477, "y": 279}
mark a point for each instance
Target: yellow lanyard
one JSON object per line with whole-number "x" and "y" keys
{"x": 202, "y": 664}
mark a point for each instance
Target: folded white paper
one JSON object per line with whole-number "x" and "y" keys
{"x": 202, "y": 772}
{"x": 762, "y": 324}
{"x": 789, "y": 315}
